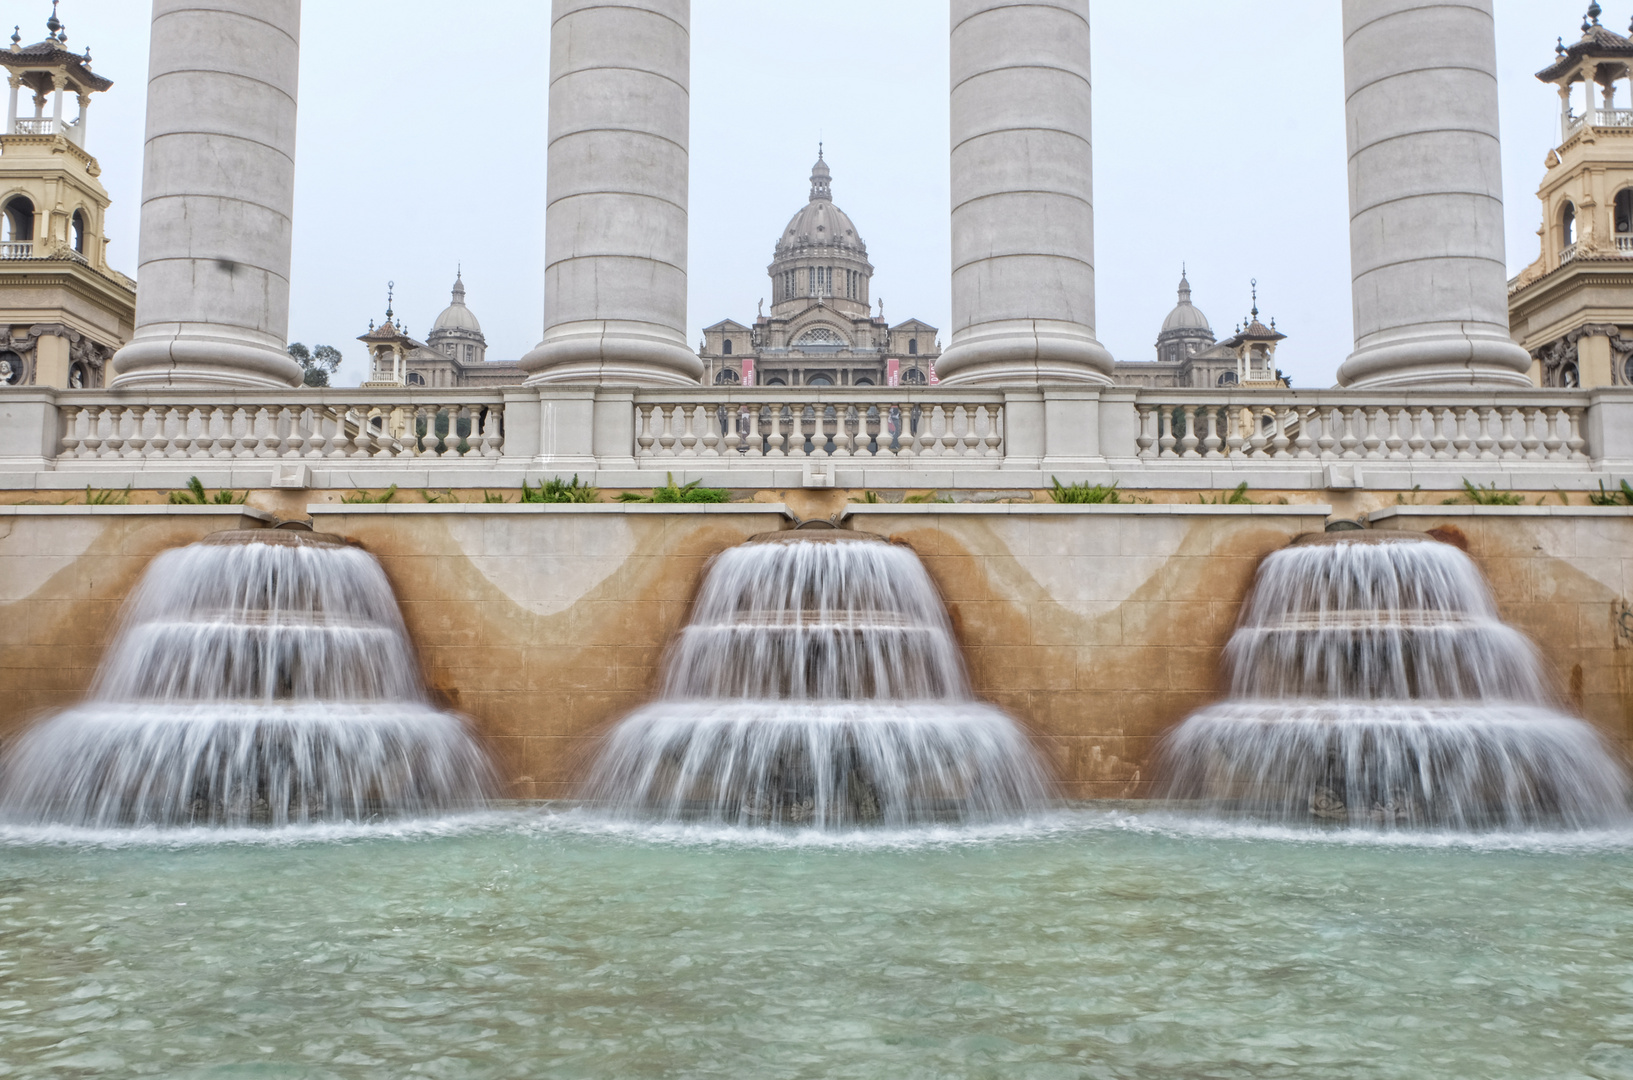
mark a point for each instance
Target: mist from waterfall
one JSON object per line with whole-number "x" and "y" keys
{"x": 817, "y": 684}
{"x": 1373, "y": 683}
{"x": 258, "y": 678}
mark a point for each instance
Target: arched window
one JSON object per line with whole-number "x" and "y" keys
{"x": 865, "y": 381}
{"x": 416, "y": 379}
{"x": 725, "y": 348}
{"x": 470, "y": 354}
{"x": 17, "y": 224}
{"x": 913, "y": 347}
{"x": 820, "y": 336}
{"x": 1228, "y": 379}
{"x": 78, "y": 231}
{"x": 727, "y": 377}
{"x": 1624, "y": 212}
{"x": 1567, "y": 223}
{"x": 776, "y": 380}
{"x": 913, "y": 377}
{"x": 819, "y": 380}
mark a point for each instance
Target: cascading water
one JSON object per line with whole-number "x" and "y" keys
{"x": 258, "y": 678}
{"x": 1373, "y": 683}
{"x": 818, "y": 684}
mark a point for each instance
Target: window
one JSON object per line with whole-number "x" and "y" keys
{"x": 78, "y": 231}
{"x": 416, "y": 379}
{"x": 1568, "y": 224}
{"x": 727, "y": 377}
{"x": 819, "y": 380}
{"x": 470, "y": 354}
{"x": 17, "y": 226}
{"x": 790, "y": 284}
{"x": 725, "y": 347}
{"x": 11, "y": 368}
{"x": 862, "y": 380}
{"x": 776, "y": 380}
{"x": 1624, "y": 211}
{"x": 913, "y": 377}
{"x": 913, "y": 347}
{"x": 1228, "y": 379}
{"x": 821, "y": 336}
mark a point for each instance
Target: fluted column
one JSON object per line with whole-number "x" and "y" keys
{"x": 1426, "y": 204}
{"x": 218, "y": 194}
{"x": 1023, "y": 196}
{"x": 618, "y": 185}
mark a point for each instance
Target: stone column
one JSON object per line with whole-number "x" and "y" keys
{"x": 618, "y": 187}
{"x": 212, "y": 299}
{"x": 1023, "y": 196}
{"x": 1426, "y": 205}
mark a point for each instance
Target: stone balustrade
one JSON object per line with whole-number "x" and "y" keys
{"x": 778, "y": 437}
{"x": 331, "y": 426}
{"x": 820, "y": 422}
{"x": 1394, "y": 428}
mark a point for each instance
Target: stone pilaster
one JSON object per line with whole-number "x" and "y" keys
{"x": 218, "y": 194}
{"x": 1023, "y": 196}
{"x": 618, "y": 188}
{"x": 1426, "y": 206}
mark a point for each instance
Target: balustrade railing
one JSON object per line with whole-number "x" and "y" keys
{"x": 820, "y": 423}
{"x": 1569, "y": 253}
{"x": 1613, "y": 118}
{"x": 36, "y": 125}
{"x": 325, "y": 429}
{"x": 16, "y": 250}
{"x": 1243, "y": 430}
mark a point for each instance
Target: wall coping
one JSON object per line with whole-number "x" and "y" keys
{"x": 1321, "y": 510}
{"x": 139, "y": 510}
{"x": 1499, "y": 511}
{"x": 337, "y": 509}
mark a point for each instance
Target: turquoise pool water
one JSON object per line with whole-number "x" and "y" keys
{"x": 1097, "y": 944}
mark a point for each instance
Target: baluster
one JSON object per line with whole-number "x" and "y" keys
{"x": 1394, "y": 435}
{"x": 1554, "y": 437}
{"x": 1329, "y": 420}
{"x": 135, "y": 429}
{"x": 1257, "y": 439}
{"x": 734, "y": 420}
{"x": 113, "y": 439}
{"x": 72, "y": 437}
{"x": 1235, "y": 419}
{"x": 688, "y": 430}
{"x": 1145, "y": 439}
{"x": 246, "y": 440}
{"x": 1279, "y": 441}
{"x": 813, "y": 432}
{"x": 339, "y": 442}
{"x": 493, "y": 431}
{"x": 1416, "y": 441}
{"x": 970, "y": 438}
{"x": 666, "y": 436}
{"x": 1189, "y": 441}
{"x": 756, "y": 441}
{"x": 1212, "y": 444}
{"x": 644, "y": 437}
{"x": 1575, "y": 444}
{"x": 1530, "y": 437}
{"x": 1165, "y": 432}
{"x": 994, "y": 437}
{"x": 1440, "y": 433}
{"x": 707, "y": 418}
{"x": 774, "y": 437}
{"x": 843, "y": 442}
{"x": 1485, "y": 440}
{"x": 1507, "y": 437}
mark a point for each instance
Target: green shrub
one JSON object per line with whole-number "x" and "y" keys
{"x": 559, "y": 491}
{"x": 358, "y": 497}
{"x": 195, "y": 496}
{"x": 1234, "y": 498}
{"x": 1490, "y": 496}
{"x": 869, "y": 497}
{"x": 669, "y": 493}
{"x": 929, "y": 497}
{"x": 106, "y": 496}
{"x": 1084, "y": 494}
{"x": 1602, "y": 497}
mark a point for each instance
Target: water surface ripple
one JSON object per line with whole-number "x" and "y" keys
{"x": 1092, "y": 944}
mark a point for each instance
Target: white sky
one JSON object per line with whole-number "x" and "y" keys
{"x": 1219, "y": 142}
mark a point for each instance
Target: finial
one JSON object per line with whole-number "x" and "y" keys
{"x": 391, "y": 294}
{"x": 1559, "y": 50}
{"x": 16, "y": 37}
{"x": 53, "y": 24}
{"x": 1594, "y": 11}
{"x": 1255, "y": 298}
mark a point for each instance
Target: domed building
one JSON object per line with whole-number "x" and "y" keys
{"x": 454, "y": 354}
{"x": 1190, "y": 357}
{"x": 822, "y": 330}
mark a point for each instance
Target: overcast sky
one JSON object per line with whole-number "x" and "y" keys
{"x": 1219, "y": 139}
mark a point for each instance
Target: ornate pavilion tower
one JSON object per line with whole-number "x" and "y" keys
{"x": 1572, "y": 309}
{"x": 65, "y": 310}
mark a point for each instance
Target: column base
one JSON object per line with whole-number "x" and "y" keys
{"x": 612, "y": 354}
{"x": 1025, "y": 352}
{"x": 1438, "y": 361}
{"x": 172, "y": 357}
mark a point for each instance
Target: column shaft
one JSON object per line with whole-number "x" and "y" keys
{"x": 618, "y": 187}
{"x": 218, "y": 193}
{"x": 1426, "y": 206}
{"x": 1022, "y": 195}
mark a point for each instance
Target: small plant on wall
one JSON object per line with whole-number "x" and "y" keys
{"x": 1486, "y": 496}
{"x": 671, "y": 493}
{"x": 558, "y": 490}
{"x": 385, "y": 496}
{"x": 1624, "y": 497}
{"x": 194, "y": 495}
{"x": 1084, "y": 494}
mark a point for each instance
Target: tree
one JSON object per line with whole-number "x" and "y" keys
{"x": 318, "y": 364}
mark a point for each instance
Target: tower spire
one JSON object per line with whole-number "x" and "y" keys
{"x": 821, "y": 179}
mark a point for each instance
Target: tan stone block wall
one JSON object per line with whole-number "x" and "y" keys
{"x": 1098, "y": 630}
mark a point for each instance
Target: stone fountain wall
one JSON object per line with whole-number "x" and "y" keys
{"x": 1098, "y": 627}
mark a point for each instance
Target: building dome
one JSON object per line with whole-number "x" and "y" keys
{"x": 1185, "y": 316}
{"x": 458, "y": 316}
{"x": 819, "y": 222}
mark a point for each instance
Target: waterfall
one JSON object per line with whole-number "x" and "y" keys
{"x": 1373, "y": 683}
{"x": 817, "y": 684}
{"x": 257, "y": 678}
